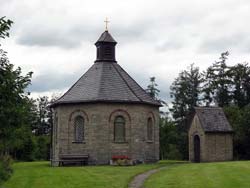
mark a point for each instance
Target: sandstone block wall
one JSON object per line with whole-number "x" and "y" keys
{"x": 219, "y": 147}
{"x": 213, "y": 146}
{"x": 196, "y": 129}
{"x": 99, "y": 132}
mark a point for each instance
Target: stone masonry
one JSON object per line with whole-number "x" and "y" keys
{"x": 214, "y": 145}
{"x": 99, "y": 132}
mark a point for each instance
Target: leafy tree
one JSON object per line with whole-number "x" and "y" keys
{"x": 217, "y": 84}
{"x": 5, "y": 160}
{"x": 4, "y": 27}
{"x": 42, "y": 126}
{"x": 14, "y": 102}
{"x": 24, "y": 145}
{"x": 5, "y": 168}
{"x": 168, "y": 139}
{"x": 15, "y": 106}
{"x": 239, "y": 118}
{"x": 42, "y": 147}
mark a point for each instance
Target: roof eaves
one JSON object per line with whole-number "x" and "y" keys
{"x": 99, "y": 101}
{"x": 216, "y": 131}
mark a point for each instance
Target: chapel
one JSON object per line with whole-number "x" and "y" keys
{"x": 210, "y": 136}
{"x": 105, "y": 113}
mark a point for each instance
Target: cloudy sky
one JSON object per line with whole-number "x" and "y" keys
{"x": 55, "y": 39}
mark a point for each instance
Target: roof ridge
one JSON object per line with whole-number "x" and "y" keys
{"x": 99, "y": 81}
{"x": 105, "y": 36}
{"x": 138, "y": 85}
{"x": 127, "y": 83}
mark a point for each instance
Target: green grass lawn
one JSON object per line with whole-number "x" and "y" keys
{"x": 203, "y": 175}
{"x": 41, "y": 175}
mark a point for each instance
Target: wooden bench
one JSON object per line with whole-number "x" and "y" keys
{"x": 73, "y": 159}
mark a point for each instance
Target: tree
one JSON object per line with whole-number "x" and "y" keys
{"x": 4, "y": 27}
{"x": 5, "y": 168}
{"x": 42, "y": 147}
{"x": 15, "y": 106}
{"x": 185, "y": 91}
{"x": 152, "y": 88}
{"x": 153, "y": 91}
{"x": 42, "y": 126}
{"x": 217, "y": 84}
{"x": 239, "y": 119}
{"x": 14, "y": 102}
{"x": 5, "y": 161}
{"x": 168, "y": 139}
{"x": 240, "y": 84}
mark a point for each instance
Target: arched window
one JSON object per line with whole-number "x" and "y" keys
{"x": 119, "y": 129}
{"x": 150, "y": 129}
{"x": 79, "y": 129}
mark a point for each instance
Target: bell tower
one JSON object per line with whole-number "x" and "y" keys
{"x": 105, "y": 48}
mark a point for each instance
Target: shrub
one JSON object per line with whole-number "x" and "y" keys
{"x": 5, "y": 168}
{"x": 42, "y": 147}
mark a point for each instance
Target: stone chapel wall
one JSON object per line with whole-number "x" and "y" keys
{"x": 99, "y": 137}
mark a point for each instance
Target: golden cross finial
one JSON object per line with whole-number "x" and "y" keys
{"x": 106, "y": 21}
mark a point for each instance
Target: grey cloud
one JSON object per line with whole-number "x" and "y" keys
{"x": 72, "y": 36}
{"x": 208, "y": 26}
{"x": 45, "y": 39}
{"x": 133, "y": 31}
{"x": 60, "y": 37}
{"x": 53, "y": 81}
{"x": 239, "y": 42}
{"x": 163, "y": 85}
{"x": 173, "y": 44}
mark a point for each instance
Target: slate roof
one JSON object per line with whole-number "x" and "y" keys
{"x": 213, "y": 119}
{"x": 106, "y": 82}
{"x": 106, "y": 37}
